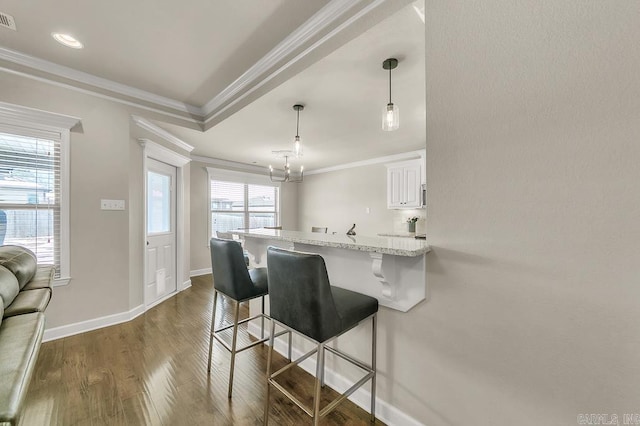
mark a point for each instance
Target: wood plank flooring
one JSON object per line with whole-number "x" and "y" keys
{"x": 153, "y": 371}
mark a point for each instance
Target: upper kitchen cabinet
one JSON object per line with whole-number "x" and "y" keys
{"x": 404, "y": 185}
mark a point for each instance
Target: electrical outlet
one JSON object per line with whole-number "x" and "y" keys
{"x": 112, "y": 204}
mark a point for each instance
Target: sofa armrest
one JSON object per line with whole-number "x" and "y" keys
{"x": 20, "y": 339}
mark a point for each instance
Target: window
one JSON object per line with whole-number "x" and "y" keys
{"x": 34, "y": 184}
{"x": 238, "y": 202}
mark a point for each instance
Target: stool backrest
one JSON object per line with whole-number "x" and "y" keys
{"x": 300, "y": 293}
{"x": 230, "y": 274}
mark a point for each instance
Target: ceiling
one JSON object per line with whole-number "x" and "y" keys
{"x": 186, "y": 51}
{"x": 236, "y": 70}
{"x": 344, "y": 94}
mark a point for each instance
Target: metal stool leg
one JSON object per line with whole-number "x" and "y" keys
{"x": 322, "y": 375}
{"x": 213, "y": 325}
{"x": 236, "y": 313}
{"x": 373, "y": 367}
{"x": 270, "y": 353}
{"x": 319, "y": 372}
{"x": 289, "y": 354}
{"x": 262, "y": 320}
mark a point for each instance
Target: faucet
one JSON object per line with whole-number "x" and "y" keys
{"x": 351, "y": 231}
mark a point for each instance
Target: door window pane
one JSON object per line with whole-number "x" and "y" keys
{"x": 158, "y": 203}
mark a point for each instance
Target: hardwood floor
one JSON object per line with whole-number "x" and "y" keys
{"x": 153, "y": 371}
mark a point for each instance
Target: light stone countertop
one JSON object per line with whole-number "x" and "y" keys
{"x": 398, "y": 234}
{"x": 397, "y": 246}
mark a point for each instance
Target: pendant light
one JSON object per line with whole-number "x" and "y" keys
{"x": 391, "y": 112}
{"x": 297, "y": 145}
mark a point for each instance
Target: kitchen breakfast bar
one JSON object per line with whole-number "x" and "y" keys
{"x": 391, "y": 269}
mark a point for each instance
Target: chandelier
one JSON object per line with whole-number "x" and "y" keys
{"x": 287, "y": 175}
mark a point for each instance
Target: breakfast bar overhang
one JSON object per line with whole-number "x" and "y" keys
{"x": 391, "y": 269}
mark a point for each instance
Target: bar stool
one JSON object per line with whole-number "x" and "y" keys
{"x": 232, "y": 279}
{"x": 229, "y": 236}
{"x": 302, "y": 300}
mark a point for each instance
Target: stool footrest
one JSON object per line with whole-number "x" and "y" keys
{"x": 349, "y": 358}
{"x": 333, "y": 404}
{"x": 243, "y": 321}
{"x": 251, "y": 345}
{"x": 291, "y": 397}
{"x": 293, "y": 363}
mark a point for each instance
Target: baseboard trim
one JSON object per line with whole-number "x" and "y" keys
{"x": 361, "y": 397}
{"x": 92, "y": 324}
{"x": 198, "y": 272}
{"x": 186, "y": 285}
{"x": 106, "y": 321}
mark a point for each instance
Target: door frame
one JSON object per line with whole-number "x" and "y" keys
{"x": 158, "y": 152}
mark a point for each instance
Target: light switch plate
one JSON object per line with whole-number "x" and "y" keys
{"x": 112, "y": 204}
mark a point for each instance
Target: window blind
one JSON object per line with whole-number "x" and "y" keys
{"x": 237, "y": 205}
{"x": 30, "y": 195}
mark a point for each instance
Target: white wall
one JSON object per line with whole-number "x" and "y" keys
{"x": 106, "y": 247}
{"x": 339, "y": 199}
{"x": 532, "y": 168}
{"x": 532, "y": 148}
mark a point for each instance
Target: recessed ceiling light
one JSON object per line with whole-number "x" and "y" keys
{"x": 67, "y": 40}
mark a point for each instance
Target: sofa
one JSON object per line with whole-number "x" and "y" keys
{"x": 25, "y": 292}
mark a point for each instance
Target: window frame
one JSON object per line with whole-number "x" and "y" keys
{"x": 28, "y": 122}
{"x": 241, "y": 178}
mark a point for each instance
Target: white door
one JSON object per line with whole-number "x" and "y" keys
{"x": 161, "y": 231}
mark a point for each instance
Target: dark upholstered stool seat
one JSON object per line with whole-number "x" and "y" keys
{"x": 352, "y": 306}
{"x": 302, "y": 299}
{"x": 233, "y": 280}
{"x": 259, "y": 279}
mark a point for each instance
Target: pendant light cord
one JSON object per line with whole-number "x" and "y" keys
{"x": 389, "y": 84}
{"x": 298, "y": 122}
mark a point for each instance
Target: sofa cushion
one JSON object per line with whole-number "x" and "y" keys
{"x": 19, "y": 260}
{"x": 29, "y": 301}
{"x": 42, "y": 279}
{"x": 9, "y": 287}
{"x": 20, "y": 339}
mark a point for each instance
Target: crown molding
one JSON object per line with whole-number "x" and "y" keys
{"x": 220, "y": 107}
{"x": 92, "y": 80}
{"x": 19, "y": 113}
{"x": 227, "y": 164}
{"x": 159, "y": 152}
{"x": 161, "y": 133}
{"x": 421, "y": 153}
{"x": 98, "y": 95}
{"x": 309, "y": 29}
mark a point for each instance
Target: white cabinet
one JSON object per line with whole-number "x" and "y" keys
{"x": 404, "y": 185}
